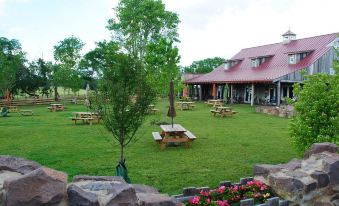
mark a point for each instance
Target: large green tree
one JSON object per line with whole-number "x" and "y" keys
{"x": 317, "y": 110}
{"x": 12, "y": 58}
{"x": 161, "y": 61}
{"x": 67, "y": 54}
{"x": 204, "y": 66}
{"x": 140, "y": 22}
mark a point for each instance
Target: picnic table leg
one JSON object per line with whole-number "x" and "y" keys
{"x": 91, "y": 122}
{"x": 162, "y": 145}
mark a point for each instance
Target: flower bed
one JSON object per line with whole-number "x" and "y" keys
{"x": 232, "y": 195}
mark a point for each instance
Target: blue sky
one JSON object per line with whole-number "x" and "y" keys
{"x": 208, "y": 27}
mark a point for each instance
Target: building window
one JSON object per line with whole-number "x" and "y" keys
{"x": 291, "y": 59}
{"x": 254, "y": 63}
{"x": 332, "y": 72}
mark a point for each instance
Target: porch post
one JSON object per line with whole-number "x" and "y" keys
{"x": 200, "y": 92}
{"x": 252, "y": 95}
{"x": 278, "y": 93}
{"x": 231, "y": 93}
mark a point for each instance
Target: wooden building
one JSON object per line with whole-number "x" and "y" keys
{"x": 265, "y": 74}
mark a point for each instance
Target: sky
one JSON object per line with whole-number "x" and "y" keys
{"x": 208, "y": 28}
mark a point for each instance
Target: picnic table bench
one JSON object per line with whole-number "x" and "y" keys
{"x": 151, "y": 109}
{"x": 174, "y": 135}
{"x": 223, "y": 111}
{"x": 84, "y": 120}
{"x": 56, "y": 107}
{"x": 26, "y": 112}
{"x": 13, "y": 109}
{"x": 86, "y": 117}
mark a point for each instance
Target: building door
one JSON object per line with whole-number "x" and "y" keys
{"x": 272, "y": 96}
{"x": 248, "y": 94}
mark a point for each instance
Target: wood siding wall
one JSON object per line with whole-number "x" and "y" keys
{"x": 322, "y": 65}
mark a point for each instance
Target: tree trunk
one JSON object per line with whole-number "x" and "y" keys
{"x": 56, "y": 94}
{"x": 121, "y": 152}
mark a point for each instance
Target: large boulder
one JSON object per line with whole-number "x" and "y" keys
{"x": 113, "y": 191}
{"x": 42, "y": 186}
{"x": 308, "y": 182}
{"x": 321, "y": 147}
{"x": 17, "y": 164}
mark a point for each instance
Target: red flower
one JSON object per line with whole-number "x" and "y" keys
{"x": 221, "y": 189}
{"x": 195, "y": 200}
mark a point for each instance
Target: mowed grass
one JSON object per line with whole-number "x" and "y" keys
{"x": 225, "y": 148}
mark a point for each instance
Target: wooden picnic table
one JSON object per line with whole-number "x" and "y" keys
{"x": 185, "y": 105}
{"x": 26, "y": 112}
{"x": 175, "y": 134}
{"x": 56, "y": 107}
{"x": 86, "y": 117}
{"x": 152, "y": 109}
{"x": 223, "y": 111}
{"x": 214, "y": 102}
{"x": 13, "y": 109}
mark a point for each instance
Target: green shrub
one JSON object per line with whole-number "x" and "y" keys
{"x": 317, "y": 110}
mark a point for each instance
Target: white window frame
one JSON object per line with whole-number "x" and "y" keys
{"x": 254, "y": 63}
{"x": 292, "y": 57}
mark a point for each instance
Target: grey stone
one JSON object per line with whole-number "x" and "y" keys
{"x": 321, "y": 147}
{"x": 17, "y": 164}
{"x": 292, "y": 165}
{"x": 265, "y": 169}
{"x": 284, "y": 185}
{"x": 78, "y": 178}
{"x": 155, "y": 200}
{"x": 43, "y": 186}
{"x": 122, "y": 194}
{"x": 97, "y": 186}
{"x": 243, "y": 181}
{"x": 331, "y": 167}
{"x": 79, "y": 197}
{"x": 225, "y": 183}
{"x": 283, "y": 203}
{"x": 144, "y": 189}
{"x": 190, "y": 191}
{"x": 247, "y": 202}
{"x": 322, "y": 178}
{"x": 274, "y": 201}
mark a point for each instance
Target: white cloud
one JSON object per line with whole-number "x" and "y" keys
{"x": 224, "y": 27}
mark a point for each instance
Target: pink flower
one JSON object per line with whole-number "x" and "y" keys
{"x": 204, "y": 193}
{"x": 222, "y": 203}
{"x": 208, "y": 200}
{"x": 221, "y": 189}
{"x": 195, "y": 200}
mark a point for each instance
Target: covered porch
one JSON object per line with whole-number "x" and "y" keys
{"x": 254, "y": 93}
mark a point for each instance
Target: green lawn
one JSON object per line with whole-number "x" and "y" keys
{"x": 226, "y": 148}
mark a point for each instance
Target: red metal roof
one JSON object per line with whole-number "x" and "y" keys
{"x": 276, "y": 66}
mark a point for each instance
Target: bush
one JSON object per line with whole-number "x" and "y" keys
{"x": 317, "y": 110}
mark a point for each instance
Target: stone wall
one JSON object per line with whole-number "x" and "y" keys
{"x": 26, "y": 183}
{"x": 312, "y": 181}
{"x": 282, "y": 111}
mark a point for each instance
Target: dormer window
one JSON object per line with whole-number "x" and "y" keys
{"x": 254, "y": 63}
{"x": 292, "y": 59}
{"x": 232, "y": 63}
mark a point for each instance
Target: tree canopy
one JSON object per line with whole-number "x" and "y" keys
{"x": 12, "y": 58}
{"x": 204, "y": 66}
{"x": 140, "y": 22}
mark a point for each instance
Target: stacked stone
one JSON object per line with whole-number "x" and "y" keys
{"x": 190, "y": 192}
{"x": 26, "y": 183}
{"x": 313, "y": 181}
